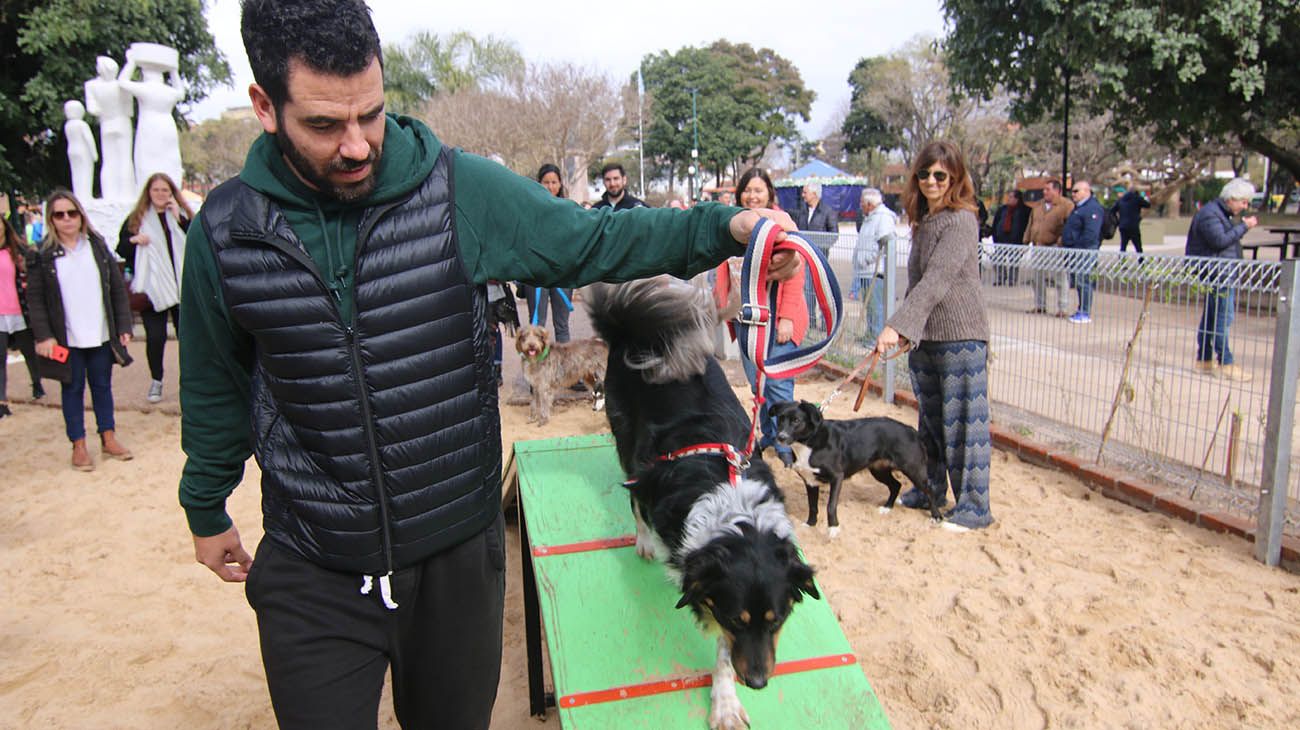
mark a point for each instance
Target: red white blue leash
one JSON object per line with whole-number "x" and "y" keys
{"x": 754, "y": 323}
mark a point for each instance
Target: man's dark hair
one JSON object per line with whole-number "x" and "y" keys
{"x": 613, "y": 166}
{"x": 1054, "y": 184}
{"x": 334, "y": 37}
{"x": 1019, "y": 196}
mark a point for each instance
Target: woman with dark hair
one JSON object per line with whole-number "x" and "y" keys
{"x": 81, "y": 320}
{"x": 540, "y": 299}
{"x": 943, "y": 321}
{"x": 13, "y": 311}
{"x": 152, "y": 242}
{"x": 791, "y": 315}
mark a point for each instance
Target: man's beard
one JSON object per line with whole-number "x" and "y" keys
{"x": 319, "y": 178}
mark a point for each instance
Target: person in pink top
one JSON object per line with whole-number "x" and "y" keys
{"x": 756, "y": 191}
{"x": 13, "y": 322}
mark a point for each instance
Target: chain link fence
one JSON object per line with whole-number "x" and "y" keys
{"x": 1129, "y": 385}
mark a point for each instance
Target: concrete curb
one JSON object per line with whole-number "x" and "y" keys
{"x": 1109, "y": 481}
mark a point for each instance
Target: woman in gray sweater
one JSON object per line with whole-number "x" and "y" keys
{"x": 942, "y": 320}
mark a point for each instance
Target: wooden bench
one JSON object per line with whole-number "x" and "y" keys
{"x": 620, "y": 655}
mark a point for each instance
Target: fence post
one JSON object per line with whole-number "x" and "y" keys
{"x": 1281, "y": 418}
{"x": 891, "y": 263}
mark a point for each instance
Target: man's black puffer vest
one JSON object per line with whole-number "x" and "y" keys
{"x": 379, "y": 442}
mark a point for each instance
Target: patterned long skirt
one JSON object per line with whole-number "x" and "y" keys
{"x": 950, "y": 380}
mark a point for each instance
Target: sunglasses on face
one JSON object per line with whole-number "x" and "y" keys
{"x": 939, "y": 176}
{"x": 1074, "y": 190}
{"x": 61, "y": 214}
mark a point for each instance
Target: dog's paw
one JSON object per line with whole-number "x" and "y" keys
{"x": 833, "y": 532}
{"x": 727, "y": 713}
{"x": 884, "y": 510}
{"x": 644, "y": 550}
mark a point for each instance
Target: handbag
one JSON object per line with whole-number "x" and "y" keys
{"x": 139, "y": 301}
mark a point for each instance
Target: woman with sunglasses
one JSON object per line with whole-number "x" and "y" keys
{"x": 81, "y": 320}
{"x": 13, "y": 309}
{"x": 942, "y": 320}
{"x": 756, "y": 191}
{"x": 152, "y": 242}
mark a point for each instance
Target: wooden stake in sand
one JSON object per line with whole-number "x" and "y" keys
{"x": 1124, "y": 386}
{"x": 1210, "y": 449}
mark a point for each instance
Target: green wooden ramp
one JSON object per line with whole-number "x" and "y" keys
{"x": 620, "y": 654}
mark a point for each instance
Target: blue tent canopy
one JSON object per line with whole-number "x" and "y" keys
{"x": 840, "y": 190}
{"x": 817, "y": 168}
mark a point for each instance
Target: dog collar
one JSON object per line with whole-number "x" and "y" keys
{"x": 736, "y": 461}
{"x": 545, "y": 351}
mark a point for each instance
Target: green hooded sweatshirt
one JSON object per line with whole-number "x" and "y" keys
{"x": 508, "y": 228}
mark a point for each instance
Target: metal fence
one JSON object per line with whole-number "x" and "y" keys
{"x": 1124, "y": 388}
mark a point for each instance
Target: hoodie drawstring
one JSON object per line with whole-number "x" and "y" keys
{"x": 385, "y": 589}
{"x": 334, "y": 271}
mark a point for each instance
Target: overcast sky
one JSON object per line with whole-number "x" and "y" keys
{"x": 823, "y": 43}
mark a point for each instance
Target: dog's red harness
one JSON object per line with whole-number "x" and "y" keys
{"x": 737, "y": 462}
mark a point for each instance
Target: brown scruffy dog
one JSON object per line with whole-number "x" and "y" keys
{"x": 551, "y": 366}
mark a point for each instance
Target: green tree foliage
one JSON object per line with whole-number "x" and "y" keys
{"x": 744, "y": 98}
{"x": 428, "y": 64}
{"x": 213, "y": 151}
{"x": 1189, "y": 70}
{"x": 864, "y": 129}
{"x": 47, "y": 52}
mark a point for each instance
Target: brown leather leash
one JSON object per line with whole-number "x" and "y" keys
{"x": 868, "y": 364}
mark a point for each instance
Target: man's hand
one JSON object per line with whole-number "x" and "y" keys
{"x": 124, "y": 338}
{"x": 45, "y": 348}
{"x": 784, "y": 263}
{"x": 1250, "y": 221}
{"x": 224, "y": 555}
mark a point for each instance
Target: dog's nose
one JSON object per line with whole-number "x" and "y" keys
{"x": 756, "y": 682}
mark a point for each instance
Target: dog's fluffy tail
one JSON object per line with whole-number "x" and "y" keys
{"x": 661, "y": 326}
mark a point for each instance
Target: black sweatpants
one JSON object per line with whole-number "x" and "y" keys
{"x": 155, "y": 336}
{"x": 326, "y": 647}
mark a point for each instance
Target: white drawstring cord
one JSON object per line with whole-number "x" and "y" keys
{"x": 385, "y": 589}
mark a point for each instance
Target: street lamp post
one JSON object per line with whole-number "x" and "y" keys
{"x": 694, "y": 168}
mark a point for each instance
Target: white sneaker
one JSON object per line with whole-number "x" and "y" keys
{"x": 155, "y": 391}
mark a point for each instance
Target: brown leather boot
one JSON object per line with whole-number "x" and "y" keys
{"x": 81, "y": 460}
{"x": 112, "y": 448}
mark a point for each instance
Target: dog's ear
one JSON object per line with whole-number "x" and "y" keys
{"x": 800, "y": 575}
{"x": 812, "y": 413}
{"x": 703, "y": 568}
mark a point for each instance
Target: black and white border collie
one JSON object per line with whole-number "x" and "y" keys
{"x": 727, "y": 546}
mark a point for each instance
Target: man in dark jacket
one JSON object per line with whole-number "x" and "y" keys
{"x": 1213, "y": 234}
{"x": 616, "y": 195}
{"x": 1009, "y": 223}
{"x": 1083, "y": 231}
{"x": 1130, "y": 207}
{"x": 816, "y": 216}
{"x": 334, "y": 308}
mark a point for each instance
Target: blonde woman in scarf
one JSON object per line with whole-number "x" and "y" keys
{"x": 152, "y": 241}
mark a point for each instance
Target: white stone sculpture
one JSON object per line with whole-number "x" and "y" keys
{"x": 157, "y": 145}
{"x": 107, "y": 100}
{"x": 81, "y": 149}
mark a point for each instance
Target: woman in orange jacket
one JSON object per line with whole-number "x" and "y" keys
{"x": 756, "y": 191}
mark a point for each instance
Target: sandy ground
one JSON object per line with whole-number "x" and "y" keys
{"x": 1071, "y": 611}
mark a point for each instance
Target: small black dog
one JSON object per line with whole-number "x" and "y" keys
{"x": 831, "y": 451}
